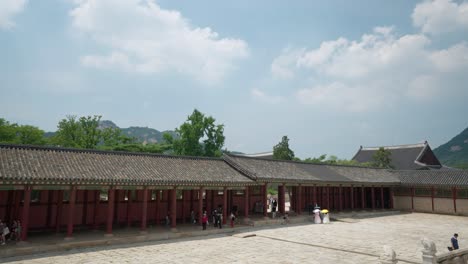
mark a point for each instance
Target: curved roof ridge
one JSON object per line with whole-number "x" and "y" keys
{"x": 415, "y": 145}
{"x": 304, "y": 162}
{"x": 104, "y": 152}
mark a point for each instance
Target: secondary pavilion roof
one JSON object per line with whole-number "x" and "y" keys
{"x": 50, "y": 164}
{"x": 439, "y": 178}
{"x": 404, "y": 157}
{"x": 293, "y": 171}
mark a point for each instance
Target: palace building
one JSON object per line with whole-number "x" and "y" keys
{"x": 58, "y": 189}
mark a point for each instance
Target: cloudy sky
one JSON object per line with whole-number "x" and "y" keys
{"x": 332, "y": 75}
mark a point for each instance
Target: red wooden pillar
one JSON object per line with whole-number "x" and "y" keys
{"x": 200, "y": 204}
{"x": 265, "y": 200}
{"x": 25, "y": 214}
{"x": 382, "y": 198}
{"x": 351, "y": 191}
{"x": 157, "y": 217}
{"x": 97, "y": 199}
{"x": 71, "y": 211}
{"x": 129, "y": 207}
{"x": 58, "y": 216}
{"x": 363, "y": 197}
{"x": 373, "y": 197}
{"x": 185, "y": 195}
{"x": 454, "y": 192}
{"x": 84, "y": 217}
{"x": 299, "y": 200}
{"x": 174, "y": 207}
{"x": 246, "y": 202}
{"x": 328, "y": 197}
{"x": 340, "y": 193}
{"x": 110, "y": 211}
{"x": 281, "y": 198}
{"x": 432, "y": 198}
{"x": 315, "y": 195}
{"x": 213, "y": 192}
{"x": 224, "y": 205}
{"x": 50, "y": 200}
{"x": 144, "y": 210}
{"x": 116, "y": 206}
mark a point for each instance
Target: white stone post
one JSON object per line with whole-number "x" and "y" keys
{"x": 428, "y": 252}
{"x": 388, "y": 256}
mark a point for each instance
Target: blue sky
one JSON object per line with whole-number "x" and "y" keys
{"x": 332, "y": 75}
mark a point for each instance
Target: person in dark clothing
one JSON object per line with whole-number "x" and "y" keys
{"x": 273, "y": 209}
{"x": 204, "y": 221}
{"x": 454, "y": 241}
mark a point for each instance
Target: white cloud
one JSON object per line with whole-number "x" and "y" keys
{"x": 142, "y": 37}
{"x": 8, "y": 9}
{"x": 440, "y": 16}
{"x": 452, "y": 59}
{"x": 378, "y": 70}
{"x": 263, "y": 97}
{"x": 281, "y": 66}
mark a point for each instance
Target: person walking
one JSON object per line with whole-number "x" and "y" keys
{"x": 273, "y": 209}
{"x": 204, "y": 221}
{"x": 2, "y": 234}
{"x": 233, "y": 218}
{"x": 454, "y": 241}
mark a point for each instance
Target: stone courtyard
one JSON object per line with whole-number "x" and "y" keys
{"x": 345, "y": 241}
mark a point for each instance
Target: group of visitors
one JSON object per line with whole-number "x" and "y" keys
{"x": 12, "y": 232}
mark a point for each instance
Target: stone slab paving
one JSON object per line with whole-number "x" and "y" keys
{"x": 338, "y": 242}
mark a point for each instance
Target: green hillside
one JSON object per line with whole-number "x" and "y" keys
{"x": 455, "y": 152}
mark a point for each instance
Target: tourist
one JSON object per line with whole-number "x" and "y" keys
{"x": 273, "y": 209}
{"x": 454, "y": 241}
{"x": 2, "y": 234}
{"x": 204, "y": 221}
{"x": 13, "y": 234}
{"x": 219, "y": 219}
{"x": 233, "y": 217}
{"x": 168, "y": 219}
{"x": 192, "y": 217}
{"x": 214, "y": 215}
{"x": 18, "y": 230}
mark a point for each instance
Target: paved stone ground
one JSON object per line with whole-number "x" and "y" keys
{"x": 358, "y": 241}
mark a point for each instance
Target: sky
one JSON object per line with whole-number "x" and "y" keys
{"x": 331, "y": 75}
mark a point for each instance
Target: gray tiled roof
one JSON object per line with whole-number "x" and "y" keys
{"x": 58, "y": 164}
{"x": 433, "y": 177}
{"x": 292, "y": 171}
{"x": 403, "y": 157}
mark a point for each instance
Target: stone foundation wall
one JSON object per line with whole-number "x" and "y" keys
{"x": 462, "y": 206}
{"x": 424, "y": 204}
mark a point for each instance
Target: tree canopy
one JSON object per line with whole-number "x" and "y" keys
{"x": 382, "y": 158}
{"x": 282, "y": 151}
{"x": 84, "y": 132}
{"x": 16, "y": 134}
{"x": 198, "y": 136}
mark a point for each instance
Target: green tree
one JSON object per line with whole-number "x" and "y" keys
{"x": 91, "y": 135}
{"x": 30, "y": 135}
{"x": 382, "y": 158}
{"x": 112, "y": 136}
{"x": 282, "y": 151}
{"x": 198, "y": 136}
{"x": 69, "y": 133}
{"x": 84, "y": 132}
{"x": 25, "y": 134}
{"x": 7, "y": 131}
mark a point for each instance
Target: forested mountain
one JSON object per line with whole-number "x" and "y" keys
{"x": 455, "y": 152}
{"x": 143, "y": 135}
